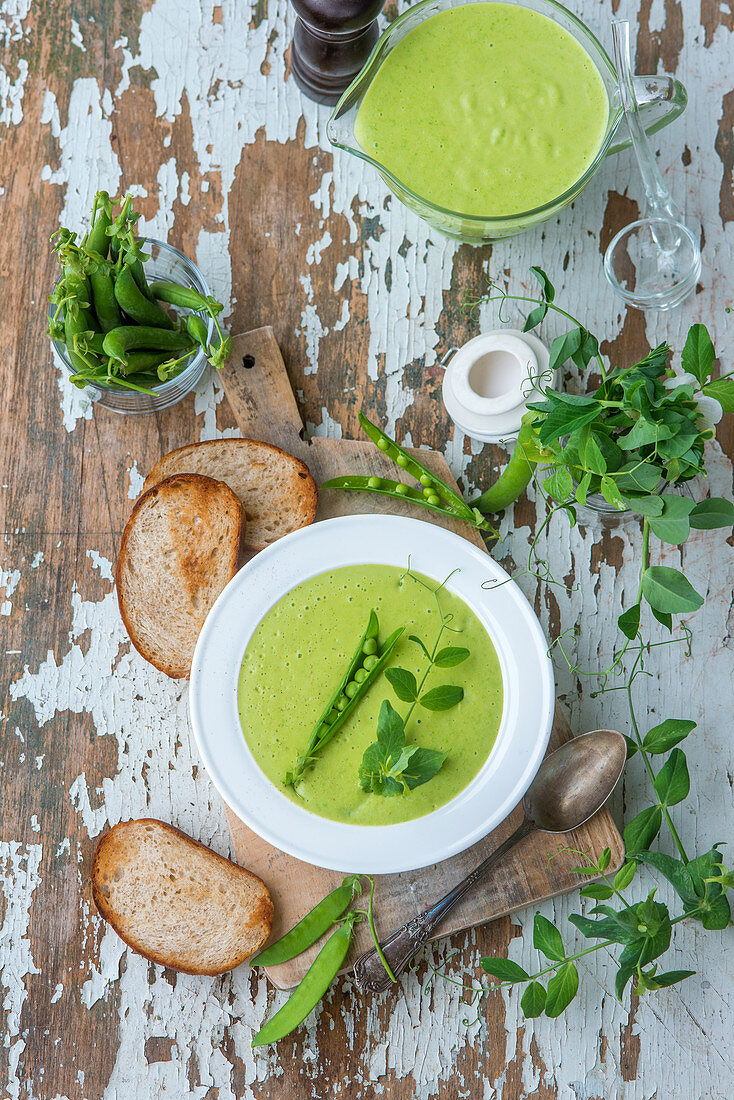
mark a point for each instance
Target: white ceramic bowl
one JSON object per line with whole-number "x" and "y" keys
{"x": 529, "y": 694}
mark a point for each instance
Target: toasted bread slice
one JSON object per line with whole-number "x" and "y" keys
{"x": 277, "y": 490}
{"x": 179, "y": 549}
{"x": 175, "y": 901}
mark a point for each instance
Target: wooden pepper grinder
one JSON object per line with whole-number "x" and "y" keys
{"x": 331, "y": 42}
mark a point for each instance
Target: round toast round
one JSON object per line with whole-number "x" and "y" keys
{"x": 179, "y": 549}
{"x": 277, "y": 491}
{"x": 175, "y": 901}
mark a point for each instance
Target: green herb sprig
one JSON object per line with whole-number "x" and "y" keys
{"x": 389, "y": 765}
{"x": 633, "y": 440}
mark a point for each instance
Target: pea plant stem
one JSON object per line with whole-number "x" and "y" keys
{"x": 646, "y": 760}
{"x": 556, "y": 309}
{"x": 588, "y": 951}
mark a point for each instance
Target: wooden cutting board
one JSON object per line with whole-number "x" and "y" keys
{"x": 259, "y": 392}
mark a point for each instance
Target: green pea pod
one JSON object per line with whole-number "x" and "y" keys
{"x": 416, "y": 469}
{"x": 103, "y": 295}
{"x": 197, "y": 329}
{"x": 139, "y": 362}
{"x": 313, "y": 986}
{"x": 343, "y": 703}
{"x": 312, "y": 926}
{"x": 136, "y": 305}
{"x": 138, "y": 272}
{"x": 516, "y": 476}
{"x": 184, "y": 297}
{"x": 362, "y": 483}
{"x": 97, "y": 240}
{"x": 78, "y": 316}
{"x": 119, "y": 341}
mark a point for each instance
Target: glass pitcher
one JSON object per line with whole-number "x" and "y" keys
{"x": 661, "y": 99}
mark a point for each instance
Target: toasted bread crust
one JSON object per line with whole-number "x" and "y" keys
{"x": 199, "y": 492}
{"x": 299, "y": 507}
{"x": 261, "y": 915}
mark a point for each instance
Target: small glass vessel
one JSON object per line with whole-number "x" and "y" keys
{"x": 166, "y": 262}
{"x": 661, "y": 99}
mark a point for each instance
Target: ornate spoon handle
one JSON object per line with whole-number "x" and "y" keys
{"x": 399, "y": 949}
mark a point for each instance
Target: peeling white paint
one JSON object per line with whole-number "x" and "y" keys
{"x": 19, "y": 877}
{"x": 215, "y": 73}
{"x": 9, "y": 580}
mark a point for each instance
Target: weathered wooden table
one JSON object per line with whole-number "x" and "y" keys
{"x": 189, "y": 104}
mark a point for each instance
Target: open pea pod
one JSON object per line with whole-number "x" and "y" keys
{"x": 369, "y": 659}
{"x": 398, "y": 490}
{"x": 417, "y": 470}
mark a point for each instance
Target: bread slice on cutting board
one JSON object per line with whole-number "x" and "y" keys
{"x": 277, "y": 490}
{"x": 175, "y": 901}
{"x": 179, "y": 549}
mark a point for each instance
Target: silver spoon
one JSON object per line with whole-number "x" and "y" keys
{"x": 571, "y": 785}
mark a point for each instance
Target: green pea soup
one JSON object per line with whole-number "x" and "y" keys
{"x": 297, "y": 657}
{"x": 485, "y": 109}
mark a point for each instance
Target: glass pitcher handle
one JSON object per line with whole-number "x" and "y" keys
{"x": 661, "y": 98}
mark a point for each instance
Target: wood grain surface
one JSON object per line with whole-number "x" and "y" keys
{"x": 191, "y": 103}
{"x": 255, "y": 382}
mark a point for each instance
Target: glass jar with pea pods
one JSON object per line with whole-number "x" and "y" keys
{"x": 166, "y": 264}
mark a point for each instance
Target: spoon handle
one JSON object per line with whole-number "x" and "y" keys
{"x": 659, "y": 201}
{"x": 399, "y": 949}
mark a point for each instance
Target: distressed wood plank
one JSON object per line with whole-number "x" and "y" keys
{"x": 192, "y": 103}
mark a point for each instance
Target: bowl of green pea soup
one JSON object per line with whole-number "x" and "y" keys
{"x": 372, "y": 693}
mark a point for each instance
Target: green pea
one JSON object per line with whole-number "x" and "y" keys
{"x": 331, "y": 717}
{"x": 401, "y": 489}
{"x": 374, "y": 482}
{"x": 383, "y": 444}
{"x": 341, "y": 702}
{"x": 360, "y": 675}
{"x": 434, "y": 499}
{"x": 426, "y": 481}
{"x": 428, "y": 492}
{"x": 402, "y": 461}
{"x": 370, "y": 662}
{"x": 370, "y": 646}
{"x": 351, "y": 689}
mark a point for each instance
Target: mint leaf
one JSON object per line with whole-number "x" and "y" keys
{"x": 698, "y": 353}
{"x": 390, "y": 731}
{"x": 423, "y": 765}
{"x": 450, "y": 656}
{"x": 443, "y": 697}
{"x": 403, "y": 684}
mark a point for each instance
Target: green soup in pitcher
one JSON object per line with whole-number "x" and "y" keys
{"x": 485, "y": 109}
